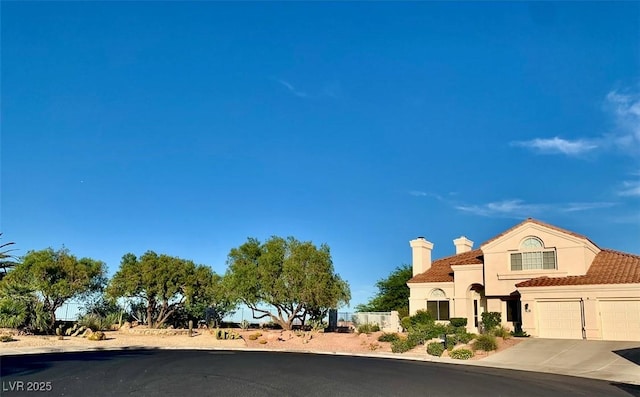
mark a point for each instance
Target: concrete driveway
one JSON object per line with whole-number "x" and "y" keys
{"x": 614, "y": 361}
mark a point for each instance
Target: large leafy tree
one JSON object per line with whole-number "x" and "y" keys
{"x": 164, "y": 284}
{"x": 393, "y": 293}
{"x": 285, "y": 279}
{"x": 54, "y": 277}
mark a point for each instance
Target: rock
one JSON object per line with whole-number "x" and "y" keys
{"x": 87, "y": 332}
{"x": 98, "y": 335}
{"x": 126, "y": 325}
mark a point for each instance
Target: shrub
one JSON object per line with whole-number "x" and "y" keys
{"x": 520, "y": 334}
{"x": 490, "y": 320}
{"x": 502, "y": 332}
{"x": 13, "y": 313}
{"x": 92, "y": 321}
{"x": 458, "y": 321}
{"x": 401, "y": 345}
{"x": 466, "y": 337}
{"x": 435, "y": 349}
{"x": 461, "y": 354}
{"x": 406, "y": 323}
{"x": 385, "y": 337}
{"x": 485, "y": 343}
{"x": 368, "y": 328}
{"x": 255, "y": 336}
{"x": 244, "y": 324}
{"x": 262, "y": 341}
{"x": 422, "y": 317}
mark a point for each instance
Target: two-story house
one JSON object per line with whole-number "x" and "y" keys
{"x": 550, "y": 282}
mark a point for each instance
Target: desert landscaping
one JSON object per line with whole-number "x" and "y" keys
{"x": 254, "y": 339}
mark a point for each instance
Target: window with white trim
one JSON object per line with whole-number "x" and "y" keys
{"x": 438, "y": 305}
{"x": 533, "y": 256}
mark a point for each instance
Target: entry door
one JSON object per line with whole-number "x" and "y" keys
{"x": 560, "y": 320}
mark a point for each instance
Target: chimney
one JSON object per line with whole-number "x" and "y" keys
{"x": 421, "y": 250}
{"x": 463, "y": 244}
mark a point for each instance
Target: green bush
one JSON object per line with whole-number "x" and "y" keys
{"x": 485, "y": 343}
{"x": 385, "y": 337}
{"x": 13, "y": 313}
{"x": 502, "y": 332}
{"x": 401, "y": 345}
{"x": 93, "y": 321}
{"x": 465, "y": 337}
{"x": 458, "y": 321}
{"x": 406, "y": 322}
{"x": 422, "y": 317}
{"x": 519, "y": 334}
{"x": 490, "y": 320}
{"x": 461, "y": 354}
{"x": 435, "y": 349}
{"x": 423, "y": 332}
{"x": 451, "y": 341}
{"x": 368, "y": 328}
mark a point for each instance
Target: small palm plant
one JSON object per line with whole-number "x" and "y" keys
{"x": 7, "y": 260}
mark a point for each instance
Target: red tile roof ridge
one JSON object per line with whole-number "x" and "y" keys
{"x": 612, "y": 251}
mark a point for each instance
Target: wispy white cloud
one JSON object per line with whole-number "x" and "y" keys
{"x": 573, "y": 207}
{"x": 558, "y": 145}
{"x": 630, "y": 188}
{"x": 292, "y": 89}
{"x": 505, "y": 208}
{"x": 625, "y": 108}
{"x": 516, "y": 208}
{"x": 418, "y": 193}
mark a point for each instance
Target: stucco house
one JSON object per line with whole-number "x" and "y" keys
{"x": 550, "y": 282}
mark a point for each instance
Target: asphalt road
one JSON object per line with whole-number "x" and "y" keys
{"x": 236, "y": 373}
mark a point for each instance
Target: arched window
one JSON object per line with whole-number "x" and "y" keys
{"x": 533, "y": 256}
{"x": 438, "y": 304}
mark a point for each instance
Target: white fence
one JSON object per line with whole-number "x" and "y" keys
{"x": 387, "y": 321}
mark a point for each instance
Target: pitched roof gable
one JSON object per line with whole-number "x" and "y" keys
{"x": 608, "y": 267}
{"x": 539, "y": 223}
{"x": 440, "y": 270}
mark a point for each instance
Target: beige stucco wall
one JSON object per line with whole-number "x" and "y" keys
{"x": 573, "y": 257}
{"x": 419, "y": 294}
{"x": 589, "y": 294}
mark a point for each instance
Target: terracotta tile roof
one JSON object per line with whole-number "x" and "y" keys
{"x": 537, "y": 222}
{"x": 441, "y": 271}
{"x": 608, "y": 267}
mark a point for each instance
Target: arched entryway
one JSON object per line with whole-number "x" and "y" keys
{"x": 478, "y": 305}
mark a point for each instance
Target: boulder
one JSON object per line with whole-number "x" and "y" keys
{"x": 98, "y": 335}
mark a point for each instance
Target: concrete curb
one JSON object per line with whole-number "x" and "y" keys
{"x": 414, "y": 357}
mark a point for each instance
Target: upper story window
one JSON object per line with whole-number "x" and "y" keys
{"x": 533, "y": 256}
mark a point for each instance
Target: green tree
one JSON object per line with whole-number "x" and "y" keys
{"x": 393, "y": 293}
{"x": 162, "y": 283}
{"x": 208, "y": 299}
{"x": 54, "y": 277}
{"x": 294, "y": 279}
{"x": 7, "y": 260}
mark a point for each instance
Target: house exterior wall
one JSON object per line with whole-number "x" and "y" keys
{"x": 590, "y": 295}
{"x": 419, "y": 294}
{"x": 573, "y": 258}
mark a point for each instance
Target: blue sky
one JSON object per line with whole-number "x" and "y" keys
{"x": 185, "y": 128}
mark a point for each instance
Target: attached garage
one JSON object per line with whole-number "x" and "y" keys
{"x": 560, "y": 319}
{"x": 620, "y": 319}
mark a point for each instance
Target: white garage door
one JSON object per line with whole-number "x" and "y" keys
{"x": 620, "y": 320}
{"x": 562, "y": 320}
